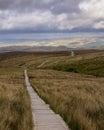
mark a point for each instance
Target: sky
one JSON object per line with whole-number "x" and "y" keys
{"x": 51, "y": 15}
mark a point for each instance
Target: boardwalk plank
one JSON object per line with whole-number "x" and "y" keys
{"x": 44, "y": 118}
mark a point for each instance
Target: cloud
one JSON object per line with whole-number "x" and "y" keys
{"x": 36, "y": 20}
{"x": 99, "y": 25}
{"x": 93, "y": 8}
{"x": 93, "y": 11}
{"x": 58, "y": 6}
{"x": 51, "y": 14}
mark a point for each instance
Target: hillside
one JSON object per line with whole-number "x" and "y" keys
{"x": 77, "y": 96}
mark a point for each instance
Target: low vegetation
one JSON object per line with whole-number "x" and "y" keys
{"x": 15, "y": 111}
{"x": 93, "y": 67}
{"x": 73, "y": 86}
{"x": 79, "y": 99}
{"x": 92, "y": 64}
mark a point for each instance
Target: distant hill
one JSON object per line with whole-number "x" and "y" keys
{"x": 58, "y": 45}
{"x": 45, "y": 48}
{"x": 33, "y": 48}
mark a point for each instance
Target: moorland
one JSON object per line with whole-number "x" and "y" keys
{"x": 72, "y": 86}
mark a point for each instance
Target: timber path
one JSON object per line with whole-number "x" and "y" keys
{"x": 39, "y": 66}
{"x": 43, "y": 117}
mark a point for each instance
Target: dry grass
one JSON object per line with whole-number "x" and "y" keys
{"x": 15, "y": 111}
{"x": 79, "y": 99}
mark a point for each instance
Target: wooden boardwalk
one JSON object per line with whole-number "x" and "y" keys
{"x": 44, "y": 118}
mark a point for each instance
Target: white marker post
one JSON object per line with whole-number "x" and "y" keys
{"x": 72, "y": 53}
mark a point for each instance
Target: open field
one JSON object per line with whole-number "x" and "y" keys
{"x": 75, "y": 95}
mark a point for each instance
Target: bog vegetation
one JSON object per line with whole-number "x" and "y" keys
{"x": 73, "y": 86}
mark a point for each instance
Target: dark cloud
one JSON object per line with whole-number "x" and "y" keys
{"x": 56, "y": 6}
{"x": 67, "y": 6}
